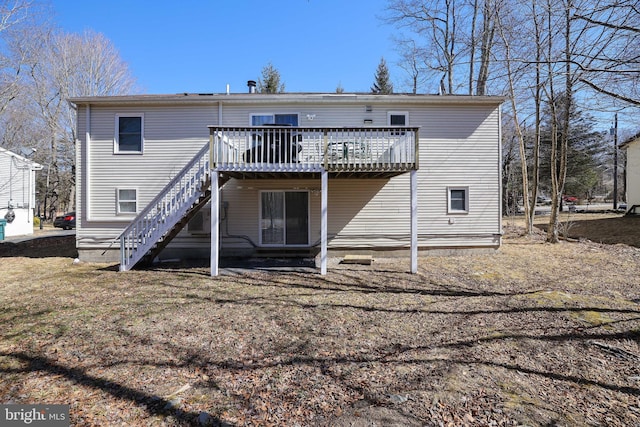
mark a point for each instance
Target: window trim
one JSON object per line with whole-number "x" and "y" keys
{"x": 267, "y": 113}
{"x": 398, "y": 113}
{"x": 450, "y": 209}
{"x": 118, "y": 201}
{"x": 284, "y": 244}
{"x": 116, "y": 139}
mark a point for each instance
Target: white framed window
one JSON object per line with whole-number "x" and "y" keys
{"x": 260, "y": 119}
{"x": 398, "y": 118}
{"x": 129, "y": 135}
{"x": 127, "y": 201}
{"x": 458, "y": 200}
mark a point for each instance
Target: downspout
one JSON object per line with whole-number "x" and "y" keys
{"x": 11, "y": 160}
{"x": 87, "y": 169}
{"x": 500, "y": 174}
{"x": 29, "y": 213}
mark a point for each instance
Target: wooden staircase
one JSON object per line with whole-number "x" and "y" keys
{"x": 167, "y": 214}
{"x": 177, "y": 228}
{"x": 633, "y": 210}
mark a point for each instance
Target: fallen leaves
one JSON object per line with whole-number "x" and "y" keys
{"x": 516, "y": 337}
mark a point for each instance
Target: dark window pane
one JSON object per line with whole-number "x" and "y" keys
{"x": 287, "y": 119}
{"x": 130, "y": 134}
{"x": 261, "y": 120}
{"x": 272, "y": 221}
{"x": 458, "y": 200}
{"x": 130, "y": 124}
{"x": 297, "y": 207}
{"x": 398, "y": 120}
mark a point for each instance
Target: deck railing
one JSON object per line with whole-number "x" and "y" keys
{"x": 287, "y": 148}
{"x": 165, "y": 210}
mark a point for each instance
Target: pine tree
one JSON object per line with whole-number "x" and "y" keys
{"x": 586, "y": 151}
{"x": 270, "y": 81}
{"x": 382, "y": 84}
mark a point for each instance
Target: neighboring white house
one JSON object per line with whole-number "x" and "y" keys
{"x": 294, "y": 172}
{"x": 17, "y": 192}
{"x": 632, "y": 145}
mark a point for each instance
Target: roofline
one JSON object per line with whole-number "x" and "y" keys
{"x": 301, "y": 98}
{"x": 34, "y": 165}
{"x": 629, "y": 141}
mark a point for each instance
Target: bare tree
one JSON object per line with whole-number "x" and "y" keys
{"x": 13, "y": 13}
{"x": 611, "y": 66}
{"x": 446, "y": 32}
{"x": 434, "y": 23}
{"x": 505, "y": 31}
{"x": 411, "y": 58}
{"x": 489, "y": 17}
{"x": 57, "y": 66}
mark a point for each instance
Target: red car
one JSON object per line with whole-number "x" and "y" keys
{"x": 570, "y": 199}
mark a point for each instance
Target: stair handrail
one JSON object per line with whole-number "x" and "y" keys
{"x": 142, "y": 232}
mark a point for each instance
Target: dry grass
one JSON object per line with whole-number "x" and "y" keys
{"x": 536, "y": 334}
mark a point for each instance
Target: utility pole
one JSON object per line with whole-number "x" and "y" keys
{"x": 615, "y": 162}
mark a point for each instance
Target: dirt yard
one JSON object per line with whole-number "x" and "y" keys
{"x": 535, "y": 334}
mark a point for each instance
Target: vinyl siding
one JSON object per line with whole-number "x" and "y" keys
{"x": 459, "y": 146}
{"x": 171, "y": 138}
{"x": 14, "y": 180}
{"x": 633, "y": 173}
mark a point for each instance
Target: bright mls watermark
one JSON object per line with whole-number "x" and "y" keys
{"x": 34, "y": 415}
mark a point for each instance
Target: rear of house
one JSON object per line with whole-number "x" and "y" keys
{"x": 399, "y": 172}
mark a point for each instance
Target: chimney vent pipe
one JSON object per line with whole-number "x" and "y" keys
{"x": 252, "y": 86}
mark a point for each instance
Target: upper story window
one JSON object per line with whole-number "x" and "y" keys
{"x": 274, "y": 119}
{"x": 398, "y": 118}
{"x": 129, "y": 133}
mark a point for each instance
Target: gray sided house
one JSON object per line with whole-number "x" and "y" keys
{"x": 214, "y": 175}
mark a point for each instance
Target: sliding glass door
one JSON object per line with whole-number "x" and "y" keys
{"x": 284, "y": 218}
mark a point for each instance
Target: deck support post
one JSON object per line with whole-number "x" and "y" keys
{"x": 215, "y": 213}
{"x": 323, "y": 221}
{"x": 413, "y": 178}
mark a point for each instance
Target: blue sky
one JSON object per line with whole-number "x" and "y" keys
{"x": 202, "y": 45}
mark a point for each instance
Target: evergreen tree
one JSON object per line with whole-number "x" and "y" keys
{"x": 382, "y": 84}
{"x": 270, "y": 81}
{"x": 586, "y": 152}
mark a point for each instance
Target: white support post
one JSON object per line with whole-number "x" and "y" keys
{"x": 323, "y": 222}
{"x": 215, "y": 213}
{"x": 413, "y": 178}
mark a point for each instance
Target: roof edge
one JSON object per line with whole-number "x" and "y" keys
{"x": 258, "y": 98}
